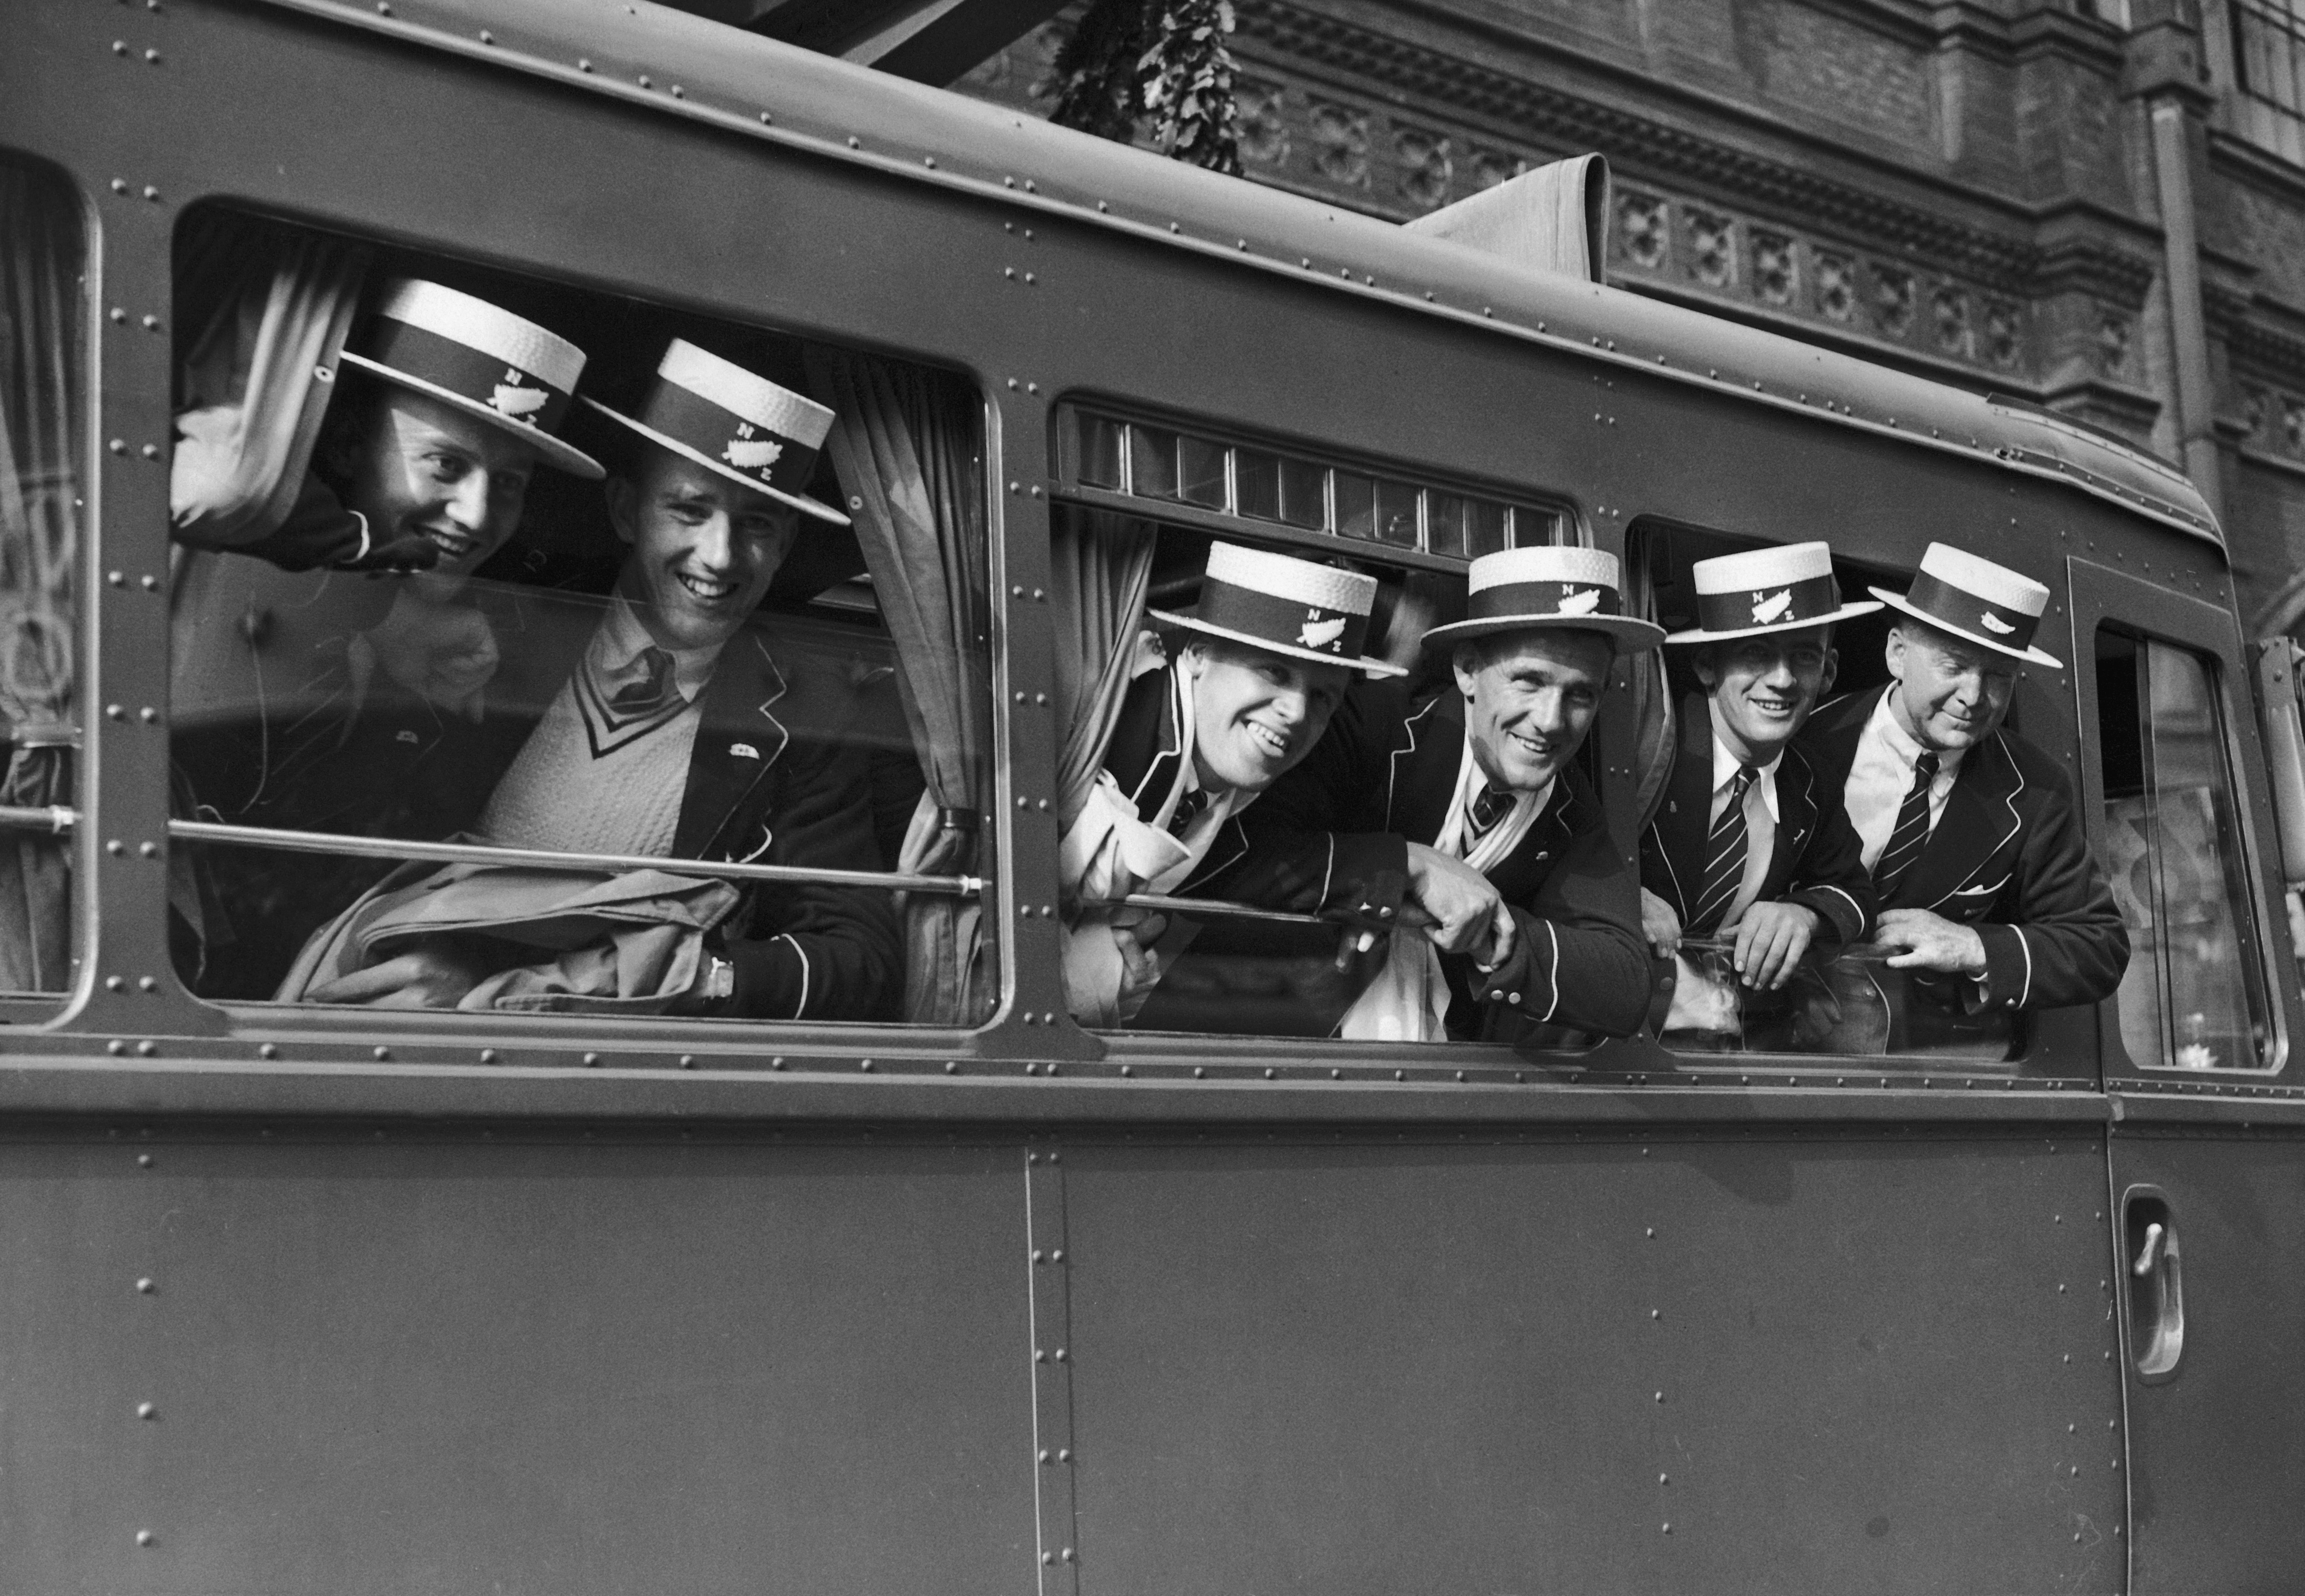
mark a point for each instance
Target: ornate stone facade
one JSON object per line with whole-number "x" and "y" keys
{"x": 1972, "y": 192}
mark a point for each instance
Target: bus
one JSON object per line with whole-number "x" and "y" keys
{"x": 906, "y": 1280}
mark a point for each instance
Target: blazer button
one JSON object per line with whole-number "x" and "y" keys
{"x": 1514, "y": 999}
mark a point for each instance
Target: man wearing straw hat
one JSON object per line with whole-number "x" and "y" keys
{"x": 1970, "y": 833}
{"x": 1268, "y": 650}
{"x": 1474, "y": 791}
{"x": 676, "y": 733}
{"x": 1751, "y": 845}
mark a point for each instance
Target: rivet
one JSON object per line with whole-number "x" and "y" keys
{"x": 143, "y": 1537}
{"x": 119, "y": 316}
{"x": 269, "y": 1050}
{"x": 1061, "y": 1354}
{"x": 118, "y": 445}
{"x": 777, "y": 1063}
{"x": 1659, "y": 1396}
{"x": 486, "y": 38}
{"x": 148, "y": 850}
{"x": 952, "y": 1067}
{"x": 646, "y": 84}
{"x": 488, "y": 1055}
{"x": 1650, "y": 1232}
{"x": 1049, "y": 1068}
{"x": 1039, "y": 1356}
{"x": 1664, "y": 1479}
{"x": 143, "y": 1160}
{"x": 145, "y": 983}
{"x": 118, "y": 579}
{"x": 144, "y": 1285}
{"x": 145, "y": 1410}
{"x": 1200, "y": 1073}
{"x": 381, "y": 1053}
{"x": 116, "y": 1048}
{"x": 1127, "y": 1070}
{"x": 1400, "y": 1074}
{"x": 583, "y": 63}
{"x": 1039, "y": 1256}
{"x": 865, "y": 1065}
{"x": 1050, "y": 1556}
{"x": 678, "y": 92}
{"x": 1270, "y": 1072}
{"x": 151, "y": 584}
{"x": 1067, "y": 1554}
{"x": 146, "y": 1049}
{"x": 1045, "y": 1457}
{"x": 1063, "y": 1453}
{"x": 115, "y": 983}
{"x": 150, "y": 192}
{"x": 119, "y": 46}
{"x": 119, "y": 185}
{"x": 591, "y": 1060}
{"x": 1336, "y": 1074}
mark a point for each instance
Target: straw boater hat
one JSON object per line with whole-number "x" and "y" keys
{"x": 729, "y": 420}
{"x": 1551, "y": 588}
{"x": 1976, "y": 600}
{"x": 1784, "y": 589}
{"x": 1285, "y": 605}
{"x": 485, "y": 361}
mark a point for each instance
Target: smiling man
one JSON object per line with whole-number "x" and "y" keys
{"x": 1517, "y": 909}
{"x": 1970, "y": 832}
{"x": 676, "y": 733}
{"x": 1752, "y": 844}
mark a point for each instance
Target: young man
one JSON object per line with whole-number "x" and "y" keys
{"x": 1970, "y": 833}
{"x": 1751, "y": 843}
{"x": 676, "y": 734}
{"x": 1267, "y": 651}
{"x": 1520, "y": 910}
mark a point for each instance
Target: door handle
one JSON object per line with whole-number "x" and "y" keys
{"x": 2155, "y": 1282}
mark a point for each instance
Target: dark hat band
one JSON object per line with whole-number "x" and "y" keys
{"x": 772, "y": 458}
{"x": 1809, "y": 603}
{"x": 470, "y": 373}
{"x": 1960, "y": 610}
{"x": 1289, "y": 622}
{"x": 1542, "y": 601}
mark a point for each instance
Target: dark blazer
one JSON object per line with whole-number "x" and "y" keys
{"x": 1385, "y": 775}
{"x": 2009, "y": 857}
{"x": 1817, "y": 859}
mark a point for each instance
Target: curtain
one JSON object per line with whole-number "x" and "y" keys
{"x": 270, "y": 308}
{"x": 42, "y": 374}
{"x": 1652, "y": 712}
{"x": 1101, "y": 566}
{"x": 907, "y": 448}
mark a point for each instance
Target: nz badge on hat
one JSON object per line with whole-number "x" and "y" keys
{"x": 1285, "y": 605}
{"x": 478, "y": 358}
{"x": 1548, "y": 587}
{"x": 1974, "y": 599}
{"x": 727, "y": 419}
{"x": 1786, "y": 588}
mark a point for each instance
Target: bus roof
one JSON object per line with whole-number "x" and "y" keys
{"x": 689, "y": 66}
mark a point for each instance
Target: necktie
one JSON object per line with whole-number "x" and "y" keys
{"x": 1489, "y": 807}
{"x": 1912, "y": 829}
{"x": 1724, "y": 858}
{"x": 655, "y": 689}
{"x": 1189, "y": 806}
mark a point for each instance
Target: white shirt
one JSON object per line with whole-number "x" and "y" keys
{"x": 1760, "y": 817}
{"x": 1882, "y": 773}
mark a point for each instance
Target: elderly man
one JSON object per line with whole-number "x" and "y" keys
{"x": 1970, "y": 832}
{"x": 1751, "y": 844}
{"x": 1269, "y": 648}
{"x": 676, "y": 733}
{"x": 1520, "y": 910}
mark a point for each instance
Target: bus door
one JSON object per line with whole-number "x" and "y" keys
{"x": 2210, "y": 1271}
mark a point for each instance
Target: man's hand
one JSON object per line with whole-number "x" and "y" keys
{"x": 1461, "y": 911}
{"x": 1660, "y": 925}
{"x": 435, "y": 973}
{"x": 1771, "y": 939}
{"x": 1140, "y": 972}
{"x": 444, "y": 653}
{"x": 1927, "y": 941}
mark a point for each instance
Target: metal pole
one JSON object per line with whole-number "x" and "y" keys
{"x": 2188, "y": 325}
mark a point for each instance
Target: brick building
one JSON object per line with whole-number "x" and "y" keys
{"x": 2094, "y": 205}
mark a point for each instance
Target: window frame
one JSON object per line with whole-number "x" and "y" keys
{"x": 2104, "y": 597}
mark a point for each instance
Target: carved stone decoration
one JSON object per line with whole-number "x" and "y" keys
{"x": 1641, "y": 229}
{"x": 2256, "y": 406}
{"x": 1341, "y": 144}
{"x": 1486, "y": 168}
{"x": 1949, "y": 312}
{"x": 1836, "y": 286}
{"x": 1263, "y": 127}
{"x": 2292, "y": 425}
{"x": 1894, "y": 296}
{"x": 1424, "y": 165}
{"x": 1776, "y": 268}
{"x": 2004, "y": 332}
{"x": 1712, "y": 248}
{"x": 2113, "y": 345}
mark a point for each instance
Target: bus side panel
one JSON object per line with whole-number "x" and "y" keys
{"x": 1667, "y": 1364}
{"x": 2218, "y": 1450}
{"x": 376, "y": 1367}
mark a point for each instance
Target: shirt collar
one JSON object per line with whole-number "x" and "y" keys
{"x": 1902, "y": 742}
{"x": 622, "y": 636}
{"x": 1725, "y": 765}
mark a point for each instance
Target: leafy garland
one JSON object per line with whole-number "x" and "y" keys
{"x": 1165, "y": 60}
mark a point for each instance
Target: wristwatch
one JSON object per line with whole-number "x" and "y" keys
{"x": 718, "y": 982}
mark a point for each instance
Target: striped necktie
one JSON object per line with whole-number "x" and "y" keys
{"x": 1912, "y": 830}
{"x": 1725, "y": 857}
{"x": 1488, "y": 807}
{"x": 1189, "y": 806}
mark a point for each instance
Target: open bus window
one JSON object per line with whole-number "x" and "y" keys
{"x": 1844, "y": 1000}
{"x": 536, "y": 651}
{"x": 2194, "y": 995}
{"x": 43, "y": 394}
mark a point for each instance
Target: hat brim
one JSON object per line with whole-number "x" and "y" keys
{"x": 549, "y": 449}
{"x": 1627, "y": 634}
{"x": 1374, "y": 667}
{"x": 798, "y": 501}
{"x": 2030, "y": 656}
{"x": 1847, "y": 612}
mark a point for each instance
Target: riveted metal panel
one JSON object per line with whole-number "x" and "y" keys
{"x": 1671, "y": 1366}
{"x": 2218, "y": 1448}
{"x": 555, "y": 1366}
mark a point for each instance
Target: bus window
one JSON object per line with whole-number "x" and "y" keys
{"x": 2194, "y": 994}
{"x": 537, "y": 651}
{"x": 1844, "y": 999}
{"x": 43, "y": 391}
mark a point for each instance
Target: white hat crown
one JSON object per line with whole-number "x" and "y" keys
{"x": 1542, "y": 562}
{"x": 494, "y": 331}
{"x": 1995, "y": 584}
{"x": 1300, "y": 581}
{"x": 1777, "y": 566}
{"x": 746, "y": 394}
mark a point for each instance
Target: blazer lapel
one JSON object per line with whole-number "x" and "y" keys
{"x": 1143, "y": 753}
{"x": 1424, "y": 771}
{"x": 1682, "y": 825}
{"x": 1981, "y": 816}
{"x": 1796, "y": 822}
{"x": 737, "y": 742}
{"x": 1225, "y": 849}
